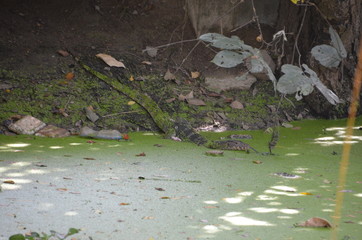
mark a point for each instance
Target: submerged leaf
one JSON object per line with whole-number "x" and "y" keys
{"x": 315, "y": 222}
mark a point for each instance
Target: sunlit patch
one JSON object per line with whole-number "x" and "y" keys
{"x": 56, "y": 147}
{"x": 358, "y": 195}
{"x": 211, "y": 229}
{"x": 114, "y": 145}
{"x": 17, "y": 144}
{"x": 266, "y": 198}
{"x": 235, "y": 219}
{"x": 292, "y": 154}
{"x": 75, "y": 144}
{"x": 3, "y": 169}
{"x": 10, "y": 187}
{"x": 233, "y": 200}
{"x": 285, "y": 188}
{"x": 325, "y": 138}
{"x": 360, "y": 223}
{"x": 270, "y": 191}
{"x": 3, "y": 147}
{"x": 326, "y": 144}
{"x": 289, "y": 211}
{"x": 246, "y": 194}
{"x": 300, "y": 170}
{"x": 21, "y": 164}
{"x": 211, "y": 202}
{"x": 263, "y": 210}
{"x": 46, "y": 206}
{"x": 284, "y": 217}
{"x": 39, "y": 151}
{"x": 15, "y": 174}
{"x": 150, "y": 134}
{"x": 70, "y": 213}
{"x": 36, "y": 171}
{"x": 335, "y": 128}
{"x": 275, "y": 203}
{"x": 327, "y": 210}
{"x": 94, "y": 149}
{"x": 353, "y": 137}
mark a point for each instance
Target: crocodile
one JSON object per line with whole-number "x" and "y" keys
{"x": 232, "y": 145}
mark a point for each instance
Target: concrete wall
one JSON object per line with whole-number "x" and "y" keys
{"x": 223, "y": 16}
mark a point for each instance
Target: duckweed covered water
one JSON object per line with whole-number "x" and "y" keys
{"x": 154, "y": 188}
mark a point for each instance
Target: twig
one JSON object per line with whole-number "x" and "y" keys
{"x": 256, "y": 19}
{"x": 297, "y": 37}
{"x": 174, "y": 43}
{"x": 183, "y": 61}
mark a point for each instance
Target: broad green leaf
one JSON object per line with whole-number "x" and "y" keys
{"x": 72, "y": 231}
{"x": 211, "y": 37}
{"x": 17, "y": 237}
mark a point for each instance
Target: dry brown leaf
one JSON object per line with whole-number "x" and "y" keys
{"x": 63, "y": 53}
{"x": 195, "y": 75}
{"x": 124, "y": 204}
{"x": 170, "y": 100}
{"x": 110, "y": 61}
{"x": 69, "y": 76}
{"x": 142, "y": 154}
{"x": 146, "y": 62}
{"x": 62, "y": 189}
{"x": 237, "y": 105}
{"x": 257, "y": 162}
{"x": 131, "y": 103}
{"x": 89, "y": 158}
{"x": 315, "y": 222}
{"x": 169, "y": 76}
{"x": 214, "y": 153}
{"x": 196, "y": 102}
{"x": 190, "y": 95}
{"x": 9, "y": 182}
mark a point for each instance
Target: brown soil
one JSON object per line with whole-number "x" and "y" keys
{"x": 33, "y": 32}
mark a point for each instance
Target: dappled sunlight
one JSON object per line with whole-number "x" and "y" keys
{"x": 235, "y": 218}
{"x": 14, "y": 145}
{"x": 268, "y": 210}
{"x": 327, "y": 210}
{"x": 71, "y": 213}
{"x": 266, "y": 198}
{"x": 358, "y": 195}
{"x": 292, "y": 154}
{"x": 56, "y": 147}
{"x": 284, "y": 188}
{"x": 211, "y": 202}
{"x": 290, "y": 194}
{"x": 338, "y": 138}
{"x": 75, "y": 144}
{"x": 233, "y": 200}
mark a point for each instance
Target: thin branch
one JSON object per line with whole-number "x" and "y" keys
{"x": 297, "y": 37}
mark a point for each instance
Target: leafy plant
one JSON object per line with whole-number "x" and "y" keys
{"x": 43, "y": 236}
{"x": 295, "y": 79}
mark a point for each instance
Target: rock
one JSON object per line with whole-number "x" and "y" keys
{"x": 258, "y": 70}
{"x": 27, "y": 125}
{"x": 53, "y": 131}
{"x": 91, "y": 115}
{"x": 109, "y": 134}
{"x": 87, "y": 132}
{"x": 237, "y": 105}
{"x": 225, "y": 79}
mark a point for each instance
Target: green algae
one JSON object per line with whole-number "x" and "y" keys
{"x": 234, "y": 197}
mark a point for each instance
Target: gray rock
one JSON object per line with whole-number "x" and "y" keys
{"x": 91, "y": 115}
{"x": 87, "y": 132}
{"x": 27, "y": 125}
{"x": 53, "y": 131}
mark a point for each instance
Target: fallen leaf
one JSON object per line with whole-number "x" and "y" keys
{"x": 196, "y": 102}
{"x": 9, "y": 182}
{"x": 146, "y": 62}
{"x": 148, "y": 217}
{"x": 67, "y": 178}
{"x": 69, "y": 76}
{"x": 125, "y": 136}
{"x": 165, "y": 198}
{"x": 67, "y": 155}
{"x": 131, "y": 103}
{"x": 237, "y": 105}
{"x": 110, "y": 61}
{"x": 141, "y": 178}
{"x": 62, "y": 189}
{"x": 90, "y": 141}
{"x": 151, "y": 51}
{"x": 124, "y": 204}
{"x": 159, "y": 189}
{"x": 296, "y": 128}
{"x": 257, "y": 162}
{"x": 142, "y": 154}
{"x": 169, "y": 75}
{"x": 89, "y": 158}
{"x": 211, "y": 207}
{"x": 158, "y": 145}
{"x": 195, "y": 75}
{"x": 131, "y": 78}
{"x": 214, "y": 153}
{"x": 40, "y": 165}
{"x": 170, "y": 100}
{"x": 212, "y": 94}
{"x": 63, "y": 53}
{"x": 306, "y": 193}
{"x": 315, "y": 222}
